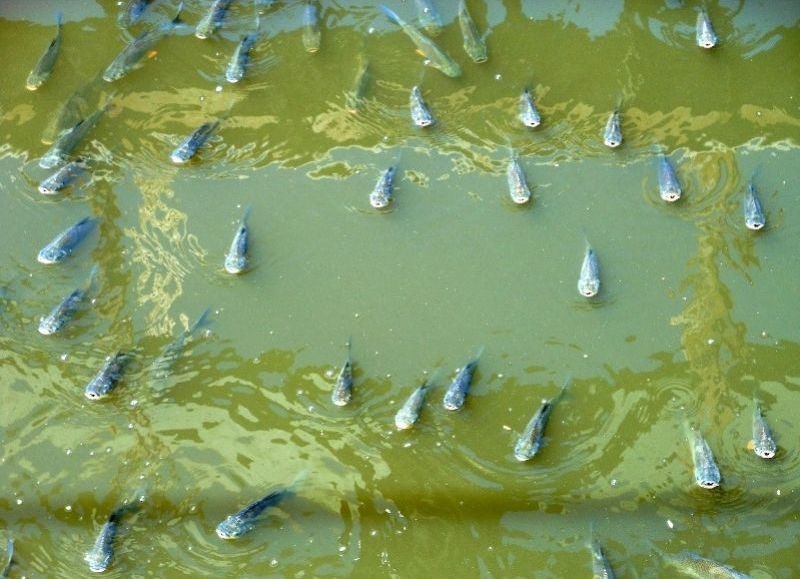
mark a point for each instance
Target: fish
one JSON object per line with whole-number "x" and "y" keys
{"x": 65, "y": 310}
{"x": 601, "y": 568}
{"x": 763, "y": 444}
{"x": 589, "y": 279}
{"x": 420, "y": 113}
{"x": 236, "y": 259}
{"x": 71, "y": 111}
{"x": 241, "y": 58}
{"x": 437, "y": 58}
{"x": 458, "y": 389}
{"x": 9, "y": 558}
{"x": 63, "y": 177}
{"x": 213, "y": 19}
{"x": 108, "y": 377}
{"x": 528, "y": 113}
{"x": 706, "y": 472}
{"x": 669, "y": 188}
{"x": 517, "y": 185}
{"x": 342, "y": 392}
{"x": 474, "y": 45}
{"x": 408, "y": 414}
{"x": 132, "y": 12}
{"x": 130, "y": 56}
{"x": 162, "y": 365}
{"x": 355, "y": 97}
{"x": 244, "y": 521}
{"x": 41, "y": 72}
{"x": 612, "y": 134}
{"x": 69, "y": 139}
{"x": 753, "y": 213}
{"x": 530, "y": 441}
{"x": 428, "y": 16}
{"x": 65, "y": 242}
{"x": 311, "y": 31}
{"x": 381, "y": 195}
{"x": 184, "y": 152}
{"x": 704, "y": 32}
{"x": 694, "y": 565}
{"x": 101, "y": 555}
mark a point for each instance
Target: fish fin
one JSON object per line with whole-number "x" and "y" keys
{"x": 93, "y": 276}
{"x": 479, "y": 353}
{"x": 177, "y": 20}
{"x": 390, "y": 14}
{"x": 201, "y": 321}
{"x": 59, "y": 19}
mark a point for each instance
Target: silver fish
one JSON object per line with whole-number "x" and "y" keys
{"x": 236, "y": 259}
{"x": 706, "y": 472}
{"x": 694, "y": 565}
{"x": 474, "y": 45}
{"x": 457, "y": 392}
{"x": 101, "y": 555}
{"x": 753, "y": 213}
{"x": 68, "y": 140}
{"x": 612, "y": 134}
{"x": 162, "y": 365}
{"x": 71, "y": 111}
{"x": 420, "y": 113}
{"x": 517, "y": 185}
{"x": 65, "y": 310}
{"x": 669, "y": 188}
{"x": 244, "y": 521}
{"x": 408, "y": 414}
{"x": 528, "y": 113}
{"x": 65, "y": 242}
{"x": 530, "y": 441}
{"x": 355, "y": 98}
{"x": 47, "y": 61}
{"x": 108, "y": 377}
{"x": 311, "y": 31}
{"x": 763, "y": 444}
{"x": 240, "y": 59}
{"x": 184, "y": 152}
{"x": 601, "y": 568}
{"x": 589, "y": 280}
{"x": 343, "y": 389}
{"x": 381, "y": 195}
{"x": 213, "y": 19}
{"x": 428, "y": 16}
{"x": 132, "y": 12}
{"x": 704, "y": 32}
{"x": 62, "y": 178}
{"x": 9, "y": 558}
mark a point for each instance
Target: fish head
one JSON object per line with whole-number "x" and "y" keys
{"x": 378, "y": 200}
{"x": 47, "y": 189}
{"x": 180, "y": 156}
{"x": 531, "y": 120}
{"x": 51, "y": 160}
{"x": 707, "y": 483}
{"x": 49, "y": 326}
{"x": 588, "y": 288}
{"x": 95, "y": 391}
{"x": 670, "y": 196}
{"x": 114, "y": 72}
{"x": 754, "y": 222}
{"x": 765, "y": 448}
{"x": 50, "y": 255}
{"x": 234, "y": 74}
{"x": 235, "y": 263}
{"x": 98, "y": 559}
{"x": 232, "y": 528}
{"x": 423, "y": 120}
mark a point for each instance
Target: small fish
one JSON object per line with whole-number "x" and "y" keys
{"x": 63, "y": 178}
{"x": 530, "y": 441}
{"x": 704, "y": 32}
{"x": 132, "y": 12}
{"x": 706, "y": 472}
{"x": 457, "y": 392}
{"x": 381, "y": 195}
{"x": 101, "y": 555}
{"x": 589, "y": 280}
{"x": 428, "y": 16}
{"x": 65, "y": 310}
{"x": 355, "y": 98}
{"x": 343, "y": 389}
{"x": 517, "y": 185}
{"x": 763, "y": 444}
{"x": 213, "y": 19}
{"x": 68, "y": 140}
{"x": 241, "y": 58}
{"x": 47, "y": 61}
{"x": 236, "y": 259}
{"x": 601, "y": 568}
{"x": 528, "y": 113}
{"x": 420, "y": 113}
{"x": 669, "y": 188}
{"x": 612, "y": 134}
{"x": 753, "y": 213}
{"x": 436, "y": 56}
{"x": 130, "y": 56}
{"x": 474, "y": 45}
{"x": 184, "y": 152}
{"x": 162, "y": 365}
{"x": 65, "y": 242}
{"x": 108, "y": 377}
{"x": 311, "y": 31}
{"x": 9, "y": 558}
{"x": 408, "y": 414}
{"x": 694, "y": 565}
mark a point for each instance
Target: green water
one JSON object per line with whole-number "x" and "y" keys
{"x": 696, "y": 314}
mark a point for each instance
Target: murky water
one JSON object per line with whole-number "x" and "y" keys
{"x": 696, "y": 315}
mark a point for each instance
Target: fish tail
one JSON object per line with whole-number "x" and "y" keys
{"x": 478, "y": 353}
{"x": 59, "y": 19}
{"x": 567, "y": 383}
{"x": 299, "y": 480}
{"x": 246, "y": 214}
{"x": 390, "y": 14}
{"x": 433, "y": 377}
{"x": 177, "y": 20}
{"x": 201, "y": 321}
{"x": 618, "y": 104}
{"x": 93, "y": 276}
{"x": 349, "y": 346}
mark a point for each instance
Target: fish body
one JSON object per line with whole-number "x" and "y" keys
{"x": 528, "y": 113}
{"x": 62, "y": 178}
{"x": 517, "y": 185}
{"x": 311, "y": 31}
{"x": 612, "y": 134}
{"x": 47, "y": 61}
{"x": 436, "y": 56}
{"x": 530, "y": 441}
{"x": 164, "y": 362}
{"x": 763, "y": 444}
{"x": 428, "y": 16}
{"x": 184, "y": 152}
{"x": 236, "y": 259}
{"x": 381, "y": 195}
{"x": 9, "y": 558}
{"x": 694, "y": 565}
{"x": 213, "y": 19}
{"x": 753, "y": 213}
{"x": 108, "y": 377}
{"x": 458, "y": 389}
{"x": 65, "y": 242}
{"x": 354, "y": 98}
{"x": 342, "y": 392}
{"x": 132, "y": 12}
{"x": 66, "y": 142}
{"x": 420, "y": 113}
{"x": 70, "y": 112}
{"x": 244, "y": 521}
{"x": 65, "y": 310}
{"x": 409, "y": 413}
{"x": 241, "y": 58}
{"x": 474, "y": 45}
{"x": 101, "y": 555}
{"x": 669, "y": 188}
{"x": 706, "y": 472}
{"x": 601, "y": 568}
{"x": 704, "y": 32}
{"x": 589, "y": 279}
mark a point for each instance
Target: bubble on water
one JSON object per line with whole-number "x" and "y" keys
{"x": 506, "y": 427}
{"x": 130, "y": 426}
{"x": 273, "y": 563}
{"x": 613, "y": 482}
{"x": 218, "y": 88}
{"x": 134, "y": 403}
{"x": 91, "y": 453}
{"x": 498, "y": 76}
{"x": 64, "y": 357}
{"x": 108, "y": 450}
{"x": 193, "y": 509}
{"x": 585, "y": 356}
{"x": 778, "y": 492}
{"x": 710, "y": 341}
{"x": 342, "y": 548}
{"x": 19, "y": 501}
{"x": 68, "y": 451}
{"x": 371, "y": 30}
{"x": 68, "y": 508}
{"x": 300, "y": 391}
{"x": 312, "y": 408}
{"x": 373, "y": 533}
{"x": 407, "y": 445}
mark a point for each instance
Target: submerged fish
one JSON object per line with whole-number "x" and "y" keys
{"x": 101, "y": 555}
{"x": 528, "y": 113}
{"x": 763, "y": 444}
{"x": 457, "y": 392}
{"x": 343, "y": 389}
{"x": 694, "y": 565}
{"x": 612, "y": 134}
{"x": 428, "y": 17}
{"x": 601, "y": 568}
{"x": 213, "y": 19}
{"x": 311, "y": 31}
{"x": 408, "y": 414}
{"x": 753, "y": 213}
{"x": 241, "y": 58}
{"x": 107, "y": 378}
{"x": 132, "y": 12}
{"x": 436, "y": 56}
{"x": 420, "y": 113}
{"x": 9, "y": 558}
{"x": 162, "y": 365}
{"x": 530, "y": 441}
{"x": 130, "y": 56}
{"x": 517, "y": 185}
{"x": 68, "y": 140}
{"x": 47, "y": 61}
{"x": 704, "y": 32}
{"x": 381, "y": 195}
{"x": 355, "y": 98}
{"x": 669, "y": 188}
{"x": 71, "y": 111}
{"x": 65, "y": 242}
{"x": 65, "y": 310}
{"x": 236, "y": 259}
{"x": 589, "y": 280}
{"x": 62, "y": 178}
{"x": 706, "y": 472}
{"x": 474, "y": 45}
{"x": 244, "y": 521}
{"x": 190, "y": 145}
